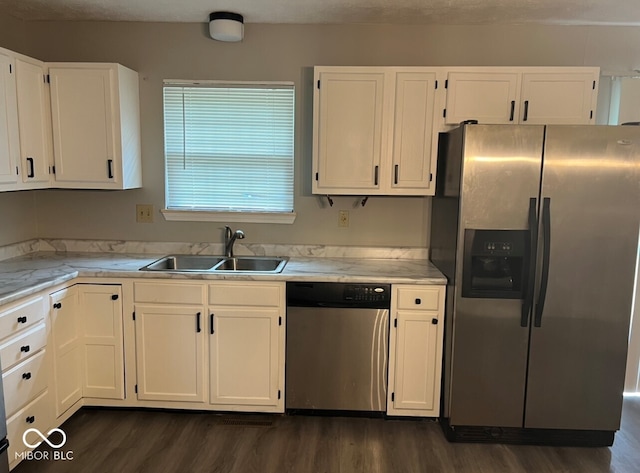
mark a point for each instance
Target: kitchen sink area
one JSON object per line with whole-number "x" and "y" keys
{"x": 222, "y": 264}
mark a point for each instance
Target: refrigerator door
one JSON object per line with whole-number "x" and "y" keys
{"x": 500, "y": 177}
{"x": 590, "y": 216}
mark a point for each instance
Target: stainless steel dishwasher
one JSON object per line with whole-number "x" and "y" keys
{"x": 337, "y": 346}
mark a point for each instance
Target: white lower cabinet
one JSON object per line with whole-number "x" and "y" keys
{"x": 67, "y": 348}
{"x": 246, "y": 346}
{"x": 415, "y": 350}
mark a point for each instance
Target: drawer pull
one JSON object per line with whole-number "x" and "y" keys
{"x": 57, "y": 305}
{"x": 26, "y": 375}
{"x": 25, "y": 348}
{"x": 22, "y": 320}
{"x": 418, "y": 301}
{"x": 434, "y": 321}
{"x": 30, "y": 419}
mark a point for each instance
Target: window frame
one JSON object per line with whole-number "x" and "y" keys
{"x": 204, "y": 215}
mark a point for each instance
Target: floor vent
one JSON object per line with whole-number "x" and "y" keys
{"x": 242, "y": 422}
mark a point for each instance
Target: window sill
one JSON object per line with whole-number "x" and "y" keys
{"x": 231, "y": 217}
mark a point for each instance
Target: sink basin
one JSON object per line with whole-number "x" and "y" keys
{"x": 202, "y": 263}
{"x": 184, "y": 263}
{"x": 252, "y": 264}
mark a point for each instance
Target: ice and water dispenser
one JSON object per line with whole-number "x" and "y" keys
{"x": 495, "y": 263}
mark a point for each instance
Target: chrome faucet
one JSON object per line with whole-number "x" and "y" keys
{"x": 229, "y": 239}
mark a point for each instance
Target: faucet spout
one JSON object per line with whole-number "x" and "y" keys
{"x": 230, "y": 238}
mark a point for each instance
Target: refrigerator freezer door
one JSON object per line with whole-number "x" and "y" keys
{"x": 500, "y": 174}
{"x": 577, "y": 355}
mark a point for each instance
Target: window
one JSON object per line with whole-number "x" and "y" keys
{"x": 229, "y": 151}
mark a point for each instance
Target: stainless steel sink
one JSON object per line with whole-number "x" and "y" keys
{"x": 201, "y": 263}
{"x": 262, "y": 264}
{"x": 184, "y": 263}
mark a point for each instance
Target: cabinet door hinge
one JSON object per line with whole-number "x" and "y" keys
{"x": 136, "y": 389}
{"x": 279, "y": 321}
{"x": 279, "y": 394}
{"x": 318, "y": 84}
{"x": 393, "y": 397}
{"x": 134, "y": 315}
{"x": 47, "y": 78}
{"x": 446, "y": 84}
{"x": 444, "y": 113}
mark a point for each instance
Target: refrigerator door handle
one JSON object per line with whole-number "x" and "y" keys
{"x": 546, "y": 240}
{"x": 527, "y": 301}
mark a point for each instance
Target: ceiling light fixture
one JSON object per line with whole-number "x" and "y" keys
{"x": 226, "y": 26}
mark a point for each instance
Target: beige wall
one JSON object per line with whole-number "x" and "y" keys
{"x": 17, "y": 209}
{"x": 282, "y": 52}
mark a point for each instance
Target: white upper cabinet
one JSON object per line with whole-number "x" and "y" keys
{"x": 348, "y": 141}
{"x": 373, "y": 130}
{"x": 532, "y": 95}
{"x": 96, "y": 126}
{"x": 9, "y": 136}
{"x": 34, "y": 121}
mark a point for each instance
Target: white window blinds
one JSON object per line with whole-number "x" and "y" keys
{"x": 229, "y": 147}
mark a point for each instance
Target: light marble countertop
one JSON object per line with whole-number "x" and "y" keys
{"x": 28, "y": 274}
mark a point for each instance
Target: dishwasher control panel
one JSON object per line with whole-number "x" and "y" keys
{"x": 333, "y": 294}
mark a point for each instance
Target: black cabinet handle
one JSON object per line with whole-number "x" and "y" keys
{"x": 32, "y": 171}
{"x": 418, "y": 301}
{"x": 434, "y": 321}
{"x": 22, "y": 320}
{"x": 526, "y": 111}
{"x": 110, "y": 168}
{"x": 57, "y": 305}
{"x": 395, "y": 174}
{"x": 513, "y": 110}
{"x": 26, "y": 375}
{"x": 211, "y": 323}
{"x": 198, "y": 327}
{"x": 30, "y": 419}
{"x": 25, "y": 348}
{"x": 375, "y": 175}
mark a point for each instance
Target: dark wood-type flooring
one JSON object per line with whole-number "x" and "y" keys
{"x": 122, "y": 441}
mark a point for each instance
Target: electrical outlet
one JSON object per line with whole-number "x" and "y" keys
{"x": 343, "y": 218}
{"x": 144, "y": 213}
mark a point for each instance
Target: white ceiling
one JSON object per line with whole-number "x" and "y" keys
{"x": 580, "y": 12}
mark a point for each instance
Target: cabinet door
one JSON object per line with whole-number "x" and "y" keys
{"x": 34, "y": 122}
{"x": 488, "y": 97}
{"x": 170, "y": 352}
{"x": 558, "y": 98}
{"x": 9, "y": 137}
{"x": 416, "y": 350}
{"x": 67, "y": 348}
{"x": 348, "y": 131}
{"x": 244, "y": 356}
{"x": 101, "y": 316}
{"x": 413, "y": 131}
{"x": 83, "y": 129}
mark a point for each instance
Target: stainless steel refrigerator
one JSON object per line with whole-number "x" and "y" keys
{"x": 536, "y": 229}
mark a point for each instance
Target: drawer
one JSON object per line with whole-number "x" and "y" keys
{"x": 21, "y": 316}
{"x": 24, "y": 382}
{"x": 169, "y": 293}
{"x": 36, "y": 415}
{"x": 420, "y": 297}
{"x": 23, "y": 346}
{"x": 247, "y": 294}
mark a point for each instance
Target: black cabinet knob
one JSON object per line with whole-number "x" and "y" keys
{"x": 30, "y": 419}
{"x": 26, "y": 375}
{"x": 114, "y": 297}
{"x": 22, "y": 320}
{"x": 434, "y": 321}
{"x": 25, "y": 348}
{"x": 57, "y": 305}
{"x": 418, "y": 301}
